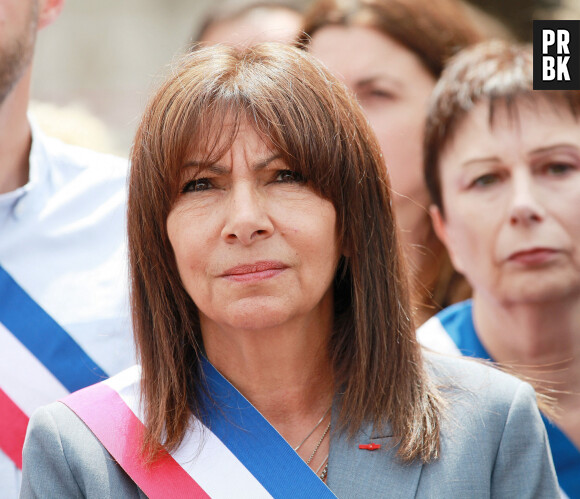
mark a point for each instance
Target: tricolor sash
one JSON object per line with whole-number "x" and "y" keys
{"x": 39, "y": 363}
{"x": 234, "y": 453}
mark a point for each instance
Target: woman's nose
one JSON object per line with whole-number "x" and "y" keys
{"x": 247, "y": 219}
{"x": 526, "y": 208}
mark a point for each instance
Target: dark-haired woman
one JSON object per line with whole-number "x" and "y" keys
{"x": 278, "y": 357}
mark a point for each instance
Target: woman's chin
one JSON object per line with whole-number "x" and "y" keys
{"x": 542, "y": 289}
{"x": 258, "y": 313}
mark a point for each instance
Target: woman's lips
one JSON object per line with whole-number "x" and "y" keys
{"x": 254, "y": 271}
{"x": 535, "y": 256}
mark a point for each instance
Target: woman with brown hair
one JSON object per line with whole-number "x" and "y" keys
{"x": 390, "y": 54}
{"x": 278, "y": 356}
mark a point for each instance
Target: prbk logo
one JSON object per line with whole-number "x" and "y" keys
{"x": 556, "y": 55}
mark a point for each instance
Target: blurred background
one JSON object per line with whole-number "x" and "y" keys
{"x": 95, "y": 67}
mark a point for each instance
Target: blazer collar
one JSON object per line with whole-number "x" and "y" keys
{"x": 354, "y": 472}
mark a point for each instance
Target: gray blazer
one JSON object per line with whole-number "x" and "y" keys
{"x": 493, "y": 444}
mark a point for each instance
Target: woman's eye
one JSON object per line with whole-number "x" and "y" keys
{"x": 558, "y": 168}
{"x": 383, "y": 94}
{"x": 485, "y": 180}
{"x": 370, "y": 95}
{"x": 289, "y": 176}
{"x": 197, "y": 185}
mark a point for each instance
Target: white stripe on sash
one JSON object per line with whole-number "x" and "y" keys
{"x": 18, "y": 367}
{"x": 206, "y": 465}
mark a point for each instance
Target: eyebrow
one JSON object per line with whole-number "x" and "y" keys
{"x": 218, "y": 169}
{"x": 535, "y": 152}
{"x": 373, "y": 79}
{"x": 552, "y": 148}
{"x": 474, "y": 161}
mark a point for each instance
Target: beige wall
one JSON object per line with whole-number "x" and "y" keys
{"x": 106, "y": 54}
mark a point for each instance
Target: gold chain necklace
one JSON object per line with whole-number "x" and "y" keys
{"x": 297, "y": 448}
{"x": 318, "y": 444}
{"x": 322, "y": 475}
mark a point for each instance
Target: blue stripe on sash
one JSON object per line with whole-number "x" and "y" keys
{"x": 257, "y": 445}
{"x": 45, "y": 338}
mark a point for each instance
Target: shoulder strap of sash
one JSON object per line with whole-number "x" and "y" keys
{"x": 41, "y": 340}
{"x": 236, "y": 441}
{"x": 13, "y": 429}
{"x": 120, "y": 431}
{"x": 257, "y": 444}
{"x": 45, "y": 338}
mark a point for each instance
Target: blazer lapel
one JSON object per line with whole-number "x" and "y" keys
{"x": 355, "y": 473}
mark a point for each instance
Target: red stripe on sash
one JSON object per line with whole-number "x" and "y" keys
{"x": 120, "y": 431}
{"x": 13, "y": 429}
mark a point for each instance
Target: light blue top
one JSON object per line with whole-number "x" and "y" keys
{"x": 457, "y": 320}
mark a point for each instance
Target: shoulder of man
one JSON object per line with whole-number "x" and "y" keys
{"x": 66, "y": 162}
{"x": 83, "y": 158}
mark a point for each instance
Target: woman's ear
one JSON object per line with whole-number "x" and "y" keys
{"x": 440, "y": 227}
{"x": 438, "y": 223}
{"x": 49, "y": 10}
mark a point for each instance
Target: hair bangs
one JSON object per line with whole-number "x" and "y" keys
{"x": 296, "y": 116}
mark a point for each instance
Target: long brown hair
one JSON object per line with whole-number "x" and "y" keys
{"x": 433, "y": 30}
{"x": 309, "y": 117}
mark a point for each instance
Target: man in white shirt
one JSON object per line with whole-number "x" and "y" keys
{"x": 64, "y": 315}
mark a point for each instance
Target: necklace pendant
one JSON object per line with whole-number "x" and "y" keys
{"x": 324, "y": 473}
